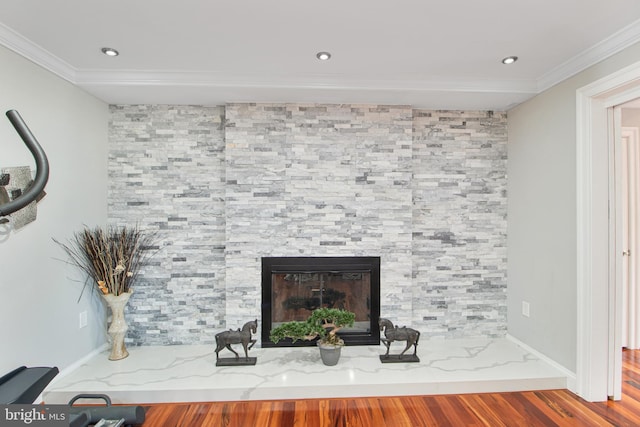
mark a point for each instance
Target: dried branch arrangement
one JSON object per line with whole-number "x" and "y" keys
{"x": 110, "y": 256}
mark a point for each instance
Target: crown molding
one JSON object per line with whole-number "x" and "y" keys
{"x": 283, "y": 81}
{"x": 620, "y": 40}
{"x": 35, "y": 53}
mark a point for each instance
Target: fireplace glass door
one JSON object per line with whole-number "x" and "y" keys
{"x": 294, "y": 287}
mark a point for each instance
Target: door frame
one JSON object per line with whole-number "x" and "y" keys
{"x": 597, "y": 316}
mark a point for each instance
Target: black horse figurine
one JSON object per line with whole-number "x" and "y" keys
{"x": 226, "y": 338}
{"x": 393, "y": 333}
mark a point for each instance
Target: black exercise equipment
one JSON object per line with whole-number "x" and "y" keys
{"x": 23, "y": 385}
{"x": 130, "y": 415}
{"x": 42, "y": 166}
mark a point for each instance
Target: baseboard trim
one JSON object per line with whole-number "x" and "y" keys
{"x": 571, "y": 376}
{"x": 75, "y": 365}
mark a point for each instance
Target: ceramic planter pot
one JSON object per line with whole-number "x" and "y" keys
{"x": 330, "y": 354}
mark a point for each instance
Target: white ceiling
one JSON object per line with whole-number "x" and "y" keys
{"x": 442, "y": 54}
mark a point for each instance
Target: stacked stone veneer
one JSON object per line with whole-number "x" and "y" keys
{"x": 225, "y": 186}
{"x": 459, "y": 223}
{"x": 166, "y": 173}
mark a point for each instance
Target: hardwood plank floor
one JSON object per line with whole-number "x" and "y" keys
{"x": 530, "y": 409}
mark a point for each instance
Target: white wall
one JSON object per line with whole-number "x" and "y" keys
{"x": 39, "y": 305}
{"x": 542, "y": 214}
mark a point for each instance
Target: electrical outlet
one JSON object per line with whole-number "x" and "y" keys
{"x": 82, "y": 319}
{"x": 525, "y": 308}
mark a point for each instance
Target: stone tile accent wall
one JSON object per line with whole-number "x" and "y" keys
{"x": 460, "y": 223}
{"x": 317, "y": 180}
{"x": 425, "y": 190}
{"x": 166, "y": 172}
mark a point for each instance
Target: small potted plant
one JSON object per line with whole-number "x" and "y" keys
{"x": 324, "y": 323}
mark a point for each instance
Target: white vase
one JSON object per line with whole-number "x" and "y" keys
{"x": 118, "y": 328}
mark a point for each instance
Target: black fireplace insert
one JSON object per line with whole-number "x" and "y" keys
{"x": 292, "y": 287}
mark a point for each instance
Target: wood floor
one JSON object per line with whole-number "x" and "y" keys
{"x": 535, "y": 408}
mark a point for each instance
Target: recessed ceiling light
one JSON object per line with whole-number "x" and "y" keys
{"x": 509, "y": 60}
{"x": 323, "y": 56}
{"x": 109, "y": 51}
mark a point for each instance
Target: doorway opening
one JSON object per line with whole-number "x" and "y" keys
{"x": 599, "y": 314}
{"x": 625, "y": 248}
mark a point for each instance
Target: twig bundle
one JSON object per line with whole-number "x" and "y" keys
{"x": 110, "y": 256}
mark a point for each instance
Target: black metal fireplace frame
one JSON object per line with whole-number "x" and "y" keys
{"x": 354, "y": 264}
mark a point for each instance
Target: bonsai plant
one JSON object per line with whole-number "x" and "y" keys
{"x": 323, "y": 323}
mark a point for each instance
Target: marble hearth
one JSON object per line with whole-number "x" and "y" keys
{"x": 153, "y": 374}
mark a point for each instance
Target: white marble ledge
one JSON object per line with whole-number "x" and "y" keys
{"x": 188, "y": 373}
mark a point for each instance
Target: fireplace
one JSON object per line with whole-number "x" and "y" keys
{"x": 294, "y": 286}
